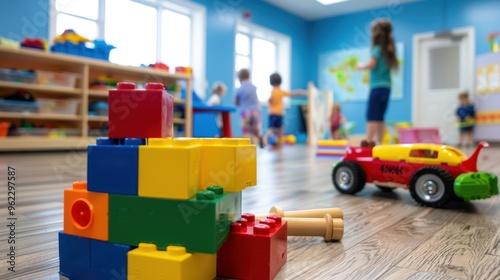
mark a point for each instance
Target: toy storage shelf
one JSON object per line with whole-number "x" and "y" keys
{"x": 35, "y": 116}
{"x": 86, "y": 70}
{"x": 41, "y": 88}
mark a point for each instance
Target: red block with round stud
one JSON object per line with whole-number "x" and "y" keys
{"x": 140, "y": 113}
{"x": 253, "y": 250}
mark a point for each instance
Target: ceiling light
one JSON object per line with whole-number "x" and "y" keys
{"x": 329, "y": 2}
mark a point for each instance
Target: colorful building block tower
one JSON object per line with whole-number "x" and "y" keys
{"x": 156, "y": 207}
{"x": 332, "y": 148}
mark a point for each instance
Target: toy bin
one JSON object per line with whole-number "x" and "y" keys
{"x": 100, "y": 50}
{"x": 20, "y": 76}
{"x": 19, "y": 106}
{"x": 4, "y": 129}
{"x": 57, "y": 79}
{"x": 100, "y": 108}
{"x": 42, "y": 131}
{"x": 413, "y": 135}
{"x": 59, "y": 106}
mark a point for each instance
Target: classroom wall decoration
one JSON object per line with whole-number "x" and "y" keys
{"x": 337, "y": 71}
{"x": 487, "y": 97}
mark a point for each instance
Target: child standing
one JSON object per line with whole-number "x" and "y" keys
{"x": 276, "y": 110}
{"x": 382, "y": 61}
{"x": 246, "y": 99}
{"x": 336, "y": 120}
{"x": 218, "y": 91}
{"x": 465, "y": 114}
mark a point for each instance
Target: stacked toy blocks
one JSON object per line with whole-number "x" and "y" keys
{"x": 332, "y": 148}
{"x": 154, "y": 207}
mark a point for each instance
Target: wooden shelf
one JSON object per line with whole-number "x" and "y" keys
{"x": 42, "y": 88}
{"x": 98, "y": 93}
{"x": 36, "y": 116}
{"x": 86, "y": 69}
{"x": 179, "y": 121}
{"x": 98, "y": 118}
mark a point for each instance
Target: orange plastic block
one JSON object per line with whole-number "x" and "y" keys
{"x": 230, "y": 163}
{"x": 146, "y": 262}
{"x": 169, "y": 168}
{"x": 86, "y": 213}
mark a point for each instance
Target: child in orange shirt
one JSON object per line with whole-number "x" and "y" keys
{"x": 276, "y": 110}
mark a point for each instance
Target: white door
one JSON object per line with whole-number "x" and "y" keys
{"x": 443, "y": 67}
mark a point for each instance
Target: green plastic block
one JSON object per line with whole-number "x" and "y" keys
{"x": 200, "y": 224}
{"x": 476, "y": 185}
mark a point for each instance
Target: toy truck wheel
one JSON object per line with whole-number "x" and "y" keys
{"x": 348, "y": 177}
{"x": 431, "y": 186}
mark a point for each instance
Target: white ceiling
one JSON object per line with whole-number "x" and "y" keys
{"x": 312, "y": 10}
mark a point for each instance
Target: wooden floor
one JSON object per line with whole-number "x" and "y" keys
{"x": 387, "y": 236}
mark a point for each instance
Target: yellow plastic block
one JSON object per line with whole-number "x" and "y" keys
{"x": 229, "y": 163}
{"x": 147, "y": 263}
{"x": 169, "y": 168}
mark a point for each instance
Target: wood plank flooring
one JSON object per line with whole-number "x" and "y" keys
{"x": 387, "y": 235}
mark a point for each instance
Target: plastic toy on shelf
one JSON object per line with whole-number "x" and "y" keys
{"x": 159, "y": 66}
{"x": 185, "y": 70}
{"x": 71, "y": 43}
{"x": 433, "y": 173}
{"x": 34, "y": 43}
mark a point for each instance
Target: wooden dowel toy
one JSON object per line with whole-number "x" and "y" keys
{"x": 332, "y": 229}
{"x": 335, "y": 213}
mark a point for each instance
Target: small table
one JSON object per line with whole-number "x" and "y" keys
{"x": 225, "y": 112}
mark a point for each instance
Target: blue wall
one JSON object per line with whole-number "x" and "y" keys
{"x": 352, "y": 31}
{"x": 24, "y": 18}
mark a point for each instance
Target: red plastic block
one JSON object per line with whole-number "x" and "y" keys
{"x": 86, "y": 213}
{"x": 135, "y": 113}
{"x": 253, "y": 250}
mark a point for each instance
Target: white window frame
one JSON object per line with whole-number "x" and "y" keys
{"x": 196, "y": 12}
{"x": 283, "y": 50}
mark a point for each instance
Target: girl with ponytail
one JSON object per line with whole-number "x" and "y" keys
{"x": 382, "y": 61}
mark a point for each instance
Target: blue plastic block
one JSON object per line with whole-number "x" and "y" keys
{"x": 74, "y": 256}
{"x": 113, "y": 165}
{"x": 108, "y": 260}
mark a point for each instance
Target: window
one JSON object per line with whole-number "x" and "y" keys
{"x": 143, "y": 32}
{"x": 264, "y": 52}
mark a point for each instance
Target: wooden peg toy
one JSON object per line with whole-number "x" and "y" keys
{"x": 331, "y": 229}
{"x": 335, "y": 213}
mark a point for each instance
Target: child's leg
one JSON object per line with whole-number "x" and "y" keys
{"x": 470, "y": 139}
{"x": 380, "y": 132}
{"x": 460, "y": 138}
{"x": 336, "y": 133}
{"x": 280, "y": 137}
{"x": 371, "y": 127}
